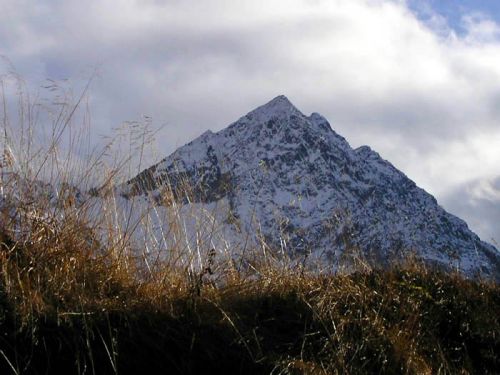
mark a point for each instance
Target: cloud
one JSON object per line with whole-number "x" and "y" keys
{"x": 487, "y": 190}
{"x": 425, "y": 96}
{"x": 480, "y": 28}
{"x": 478, "y": 202}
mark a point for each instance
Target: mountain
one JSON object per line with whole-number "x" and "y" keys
{"x": 298, "y": 184}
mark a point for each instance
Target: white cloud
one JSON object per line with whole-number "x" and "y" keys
{"x": 457, "y": 162}
{"x": 480, "y": 28}
{"x": 426, "y": 98}
{"x": 488, "y": 190}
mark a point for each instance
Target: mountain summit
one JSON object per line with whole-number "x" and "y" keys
{"x": 290, "y": 179}
{"x": 278, "y": 107}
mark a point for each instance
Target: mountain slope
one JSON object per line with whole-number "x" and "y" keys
{"x": 294, "y": 181}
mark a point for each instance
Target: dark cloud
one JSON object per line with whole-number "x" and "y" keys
{"x": 478, "y": 202}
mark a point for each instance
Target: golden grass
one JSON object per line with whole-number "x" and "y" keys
{"x": 406, "y": 320}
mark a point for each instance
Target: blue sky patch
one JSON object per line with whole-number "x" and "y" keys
{"x": 454, "y": 10}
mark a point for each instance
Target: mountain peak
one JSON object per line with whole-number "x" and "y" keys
{"x": 280, "y": 100}
{"x": 291, "y": 179}
{"x": 280, "y": 106}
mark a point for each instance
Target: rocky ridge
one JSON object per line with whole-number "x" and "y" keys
{"x": 297, "y": 183}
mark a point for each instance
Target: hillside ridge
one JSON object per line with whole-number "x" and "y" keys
{"x": 309, "y": 192}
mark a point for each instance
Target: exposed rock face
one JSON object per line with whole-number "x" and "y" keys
{"x": 300, "y": 183}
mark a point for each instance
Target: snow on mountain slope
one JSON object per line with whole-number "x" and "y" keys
{"x": 292, "y": 180}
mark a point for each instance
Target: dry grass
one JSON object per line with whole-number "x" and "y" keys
{"x": 406, "y": 320}
{"x": 81, "y": 293}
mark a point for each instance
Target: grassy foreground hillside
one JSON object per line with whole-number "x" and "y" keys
{"x": 64, "y": 312}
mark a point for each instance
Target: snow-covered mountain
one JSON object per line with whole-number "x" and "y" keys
{"x": 291, "y": 179}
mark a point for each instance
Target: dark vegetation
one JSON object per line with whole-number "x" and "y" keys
{"x": 59, "y": 314}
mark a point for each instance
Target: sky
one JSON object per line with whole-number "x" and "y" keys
{"x": 418, "y": 81}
